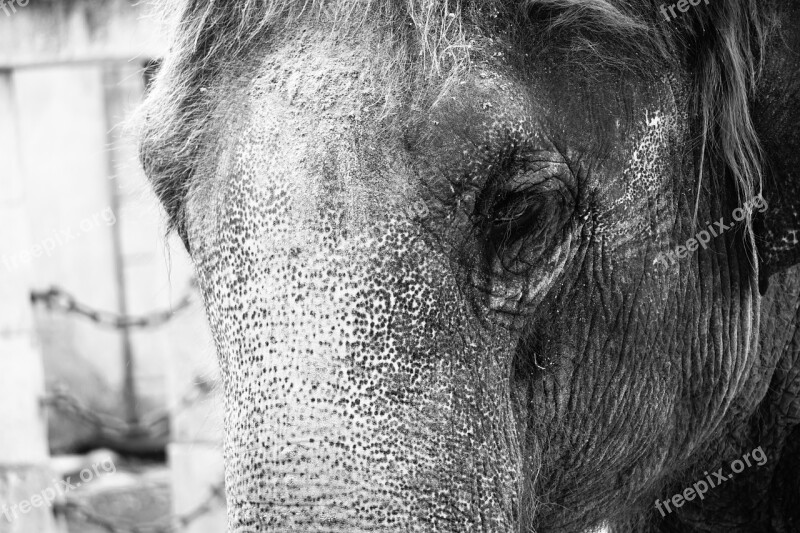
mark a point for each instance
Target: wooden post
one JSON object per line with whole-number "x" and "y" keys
{"x": 195, "y": 450}
{"x": 184, "y": 346}
{"x": 114, "y": 92}
{"x": 25, "y": 478}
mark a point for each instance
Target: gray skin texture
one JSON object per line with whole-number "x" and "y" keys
{"x": 396, "y": 359}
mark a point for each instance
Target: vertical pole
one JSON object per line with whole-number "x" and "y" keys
{"x": 25, "y": 476}
{"x": 111, "y": 84}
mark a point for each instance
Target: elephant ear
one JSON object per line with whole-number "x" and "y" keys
{"x": 776, "y": 118}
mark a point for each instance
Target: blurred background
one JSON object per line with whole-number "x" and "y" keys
{"x": 109, "y": 416}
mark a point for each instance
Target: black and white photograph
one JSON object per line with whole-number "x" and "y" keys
{"x": 399, "y": 266}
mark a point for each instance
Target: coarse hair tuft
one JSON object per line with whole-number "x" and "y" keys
{"x": 720, "y": 45}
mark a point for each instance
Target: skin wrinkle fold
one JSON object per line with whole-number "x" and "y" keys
{"x": 277, "y": 219}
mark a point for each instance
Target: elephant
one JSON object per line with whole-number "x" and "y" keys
{"x": 451, "y": 257}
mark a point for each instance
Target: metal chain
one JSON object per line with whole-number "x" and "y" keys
{"x": 201, "y": 387}
{"x": 56, "y": 298}
{"x": 60, "y": 398}
{"x": 83, "y": 512}
{"x": 154, "y": 423}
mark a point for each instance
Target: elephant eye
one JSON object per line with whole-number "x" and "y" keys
{"x": 525, "y": 215}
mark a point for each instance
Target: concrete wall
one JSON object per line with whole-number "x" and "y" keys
{"x": 66, "y": 31}
{"x": 70, "y": 67}
{"x": 73, "y": 73}
{"x": 23, "y": 439}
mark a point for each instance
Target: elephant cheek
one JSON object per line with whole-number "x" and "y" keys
{"x": 359, "y": 394}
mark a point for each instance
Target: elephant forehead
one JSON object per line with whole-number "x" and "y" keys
{"x": 635, "y": 194}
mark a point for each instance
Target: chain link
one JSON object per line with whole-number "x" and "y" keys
{"x": 154, "y": 424}
{"x": 67, "y": 403}
{"x": 56, "y": 298}
{"x": 83, "y": 512}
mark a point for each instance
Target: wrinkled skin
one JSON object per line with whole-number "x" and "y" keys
{"x": 398, "y": 355}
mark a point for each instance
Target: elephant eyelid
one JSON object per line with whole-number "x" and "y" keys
{"x": 534, "y": 174}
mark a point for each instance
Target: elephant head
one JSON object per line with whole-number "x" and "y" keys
{"x": 429, "y": 240}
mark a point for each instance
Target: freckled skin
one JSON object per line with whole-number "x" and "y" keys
{"x": 356, "y": 388}
{"x": 437, "y": 368}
